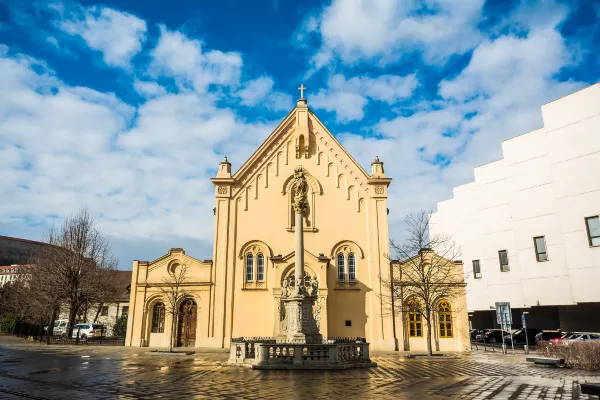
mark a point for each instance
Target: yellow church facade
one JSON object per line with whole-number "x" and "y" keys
{"x": 238, "y": 293}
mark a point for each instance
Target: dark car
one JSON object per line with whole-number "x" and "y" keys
{"x": 494, "y": 335}
{"x": 475, "y": 333}
{"x": 519, "y": 336}
{"x": 548, "y": 335}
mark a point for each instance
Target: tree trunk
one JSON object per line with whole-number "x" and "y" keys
{"x": 98, "y": 312}
{"x": 172, "y": 332}
{"x": 72, "y": 314}
{"x": 428, "y": 320}
{"x": 50, "y": 331}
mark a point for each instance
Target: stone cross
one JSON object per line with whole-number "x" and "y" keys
{"x": 302, "y": 89}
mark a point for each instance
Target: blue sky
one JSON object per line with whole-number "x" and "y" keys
{"x": 126, "y": 107}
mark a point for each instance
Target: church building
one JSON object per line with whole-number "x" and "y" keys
{"x": 238, "y": 293}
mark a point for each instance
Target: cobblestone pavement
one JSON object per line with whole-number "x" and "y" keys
{"x": 34, "y": 371}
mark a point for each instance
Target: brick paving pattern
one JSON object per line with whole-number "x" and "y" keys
{"x": 33, "y": 371}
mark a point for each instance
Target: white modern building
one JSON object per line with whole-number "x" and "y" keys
{"x": 528, "y": 226}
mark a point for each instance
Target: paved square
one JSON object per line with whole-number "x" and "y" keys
{"x": 34, "y": 371}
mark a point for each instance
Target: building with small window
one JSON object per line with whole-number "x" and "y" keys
{"x": 443, "y": 284}
{"x": 238, "y": 293}
{"x": 14, "y": 272}
{"x": 529, "y": 225}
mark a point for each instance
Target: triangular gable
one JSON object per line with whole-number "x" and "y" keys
{"x": 323, "y": 145}
{"x": 310, "y": 255}
{"x": 175, "y": 254}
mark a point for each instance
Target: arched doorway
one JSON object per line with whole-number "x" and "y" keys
{"x": 186, "y": 329}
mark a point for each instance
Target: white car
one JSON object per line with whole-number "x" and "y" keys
{"x": 581, "y": 337}
{"x": 59, "y": 328}
{"x": 87, "y": 331}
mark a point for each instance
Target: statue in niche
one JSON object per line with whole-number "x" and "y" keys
{"x": 285, "y": 288}
{"x": 315, "y": 287}
{"x": 301, "y": 190}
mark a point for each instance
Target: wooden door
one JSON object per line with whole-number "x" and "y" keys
{"x": 187, "y": 324}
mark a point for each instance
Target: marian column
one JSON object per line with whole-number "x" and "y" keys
{"x": 300, "y": 203}
{"x": 299, "y": 324}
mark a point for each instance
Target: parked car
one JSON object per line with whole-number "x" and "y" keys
{"x": 519, "y": 336}
{"x": 562, "y": 337}
{"x": 494, "y": 335}
{"x": 87, "y": 331}
{"x": 477, "y": 335}
{"x": 548, "y": 335}
{"x": 581, "y": 337}
{"x": 59, "y": 327}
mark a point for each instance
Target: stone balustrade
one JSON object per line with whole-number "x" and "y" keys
{"x": 331, "y": 353}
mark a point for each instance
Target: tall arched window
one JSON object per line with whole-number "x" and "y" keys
{"x": 351, "y": 267}
{"x": 341, "y": 268}
{"x": 445, "y": 319}
{"x": 158, "y": 318}
{"x": 415, "y": 324}
{"x": 260, "y": 267}
{"x": 249, "y": 267}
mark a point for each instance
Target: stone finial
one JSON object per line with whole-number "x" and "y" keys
{"x": 224, "y": 169}
{"x": 377, "y": 168}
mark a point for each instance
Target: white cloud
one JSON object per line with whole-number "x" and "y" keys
{"x": 385, "y": 30}
{"x": 143, "y": 169}
{"x": 148, "y": 88}
{"x": 260, "y": 91}
{"x": 348, "y": 98}
{"x": 184, "y": 59}
{"x": 497, "y": 96}
{"x": 118, "y": 35}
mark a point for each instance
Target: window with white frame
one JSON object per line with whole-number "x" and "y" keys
{"x": 341, "y": 267}
{"x": 249, "y": 267}
{"x": 351, "y": 267}
{"x": 260, "y": 267}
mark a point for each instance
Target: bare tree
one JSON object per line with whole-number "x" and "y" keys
{"x": 173, "y": 291}
{"x": 424, "y": 273}
{"x": 75, "y": 268}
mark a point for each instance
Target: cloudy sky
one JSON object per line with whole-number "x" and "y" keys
{"x": 127, "y": 106}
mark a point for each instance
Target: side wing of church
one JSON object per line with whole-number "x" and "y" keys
{"x": 239, "y": 292}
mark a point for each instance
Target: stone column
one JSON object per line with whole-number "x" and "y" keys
{"x": 299, "y": 248}
{"x": 300, "y": 204}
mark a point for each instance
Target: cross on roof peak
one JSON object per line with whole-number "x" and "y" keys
{"x": 301, "y": 89}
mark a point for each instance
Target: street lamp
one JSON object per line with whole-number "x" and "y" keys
{"x": 525, "y": 327}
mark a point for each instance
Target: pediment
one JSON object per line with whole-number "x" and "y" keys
{"x": 300, "y": 135}
{"x": 307, "y": 254}
{"x": 179, "y": 256}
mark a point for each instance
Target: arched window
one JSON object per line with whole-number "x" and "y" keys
{"x": 260, "y": 267}
{"x": 341, "y": 268}
{"x": 158, "y": 318}
{"x": 415, "y": 324}
{"x": 445, "y": 319}
{"x": 351, "y": 267}
{"x": 249, "y": 267}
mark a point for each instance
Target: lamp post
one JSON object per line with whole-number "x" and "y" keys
{"x": 525, "y": 327}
